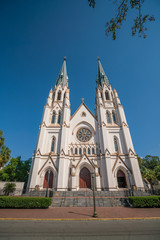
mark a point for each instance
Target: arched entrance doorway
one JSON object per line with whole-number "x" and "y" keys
{"x": 84, "y": 178}
{"x": 50, "y": 185}
{"x": 121, "y": 179}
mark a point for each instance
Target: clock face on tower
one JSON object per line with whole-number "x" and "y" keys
{"x": 84, "y": 134}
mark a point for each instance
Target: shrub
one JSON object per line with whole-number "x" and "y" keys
{"x": 24, "y": 202}
{"x": 9, "y": 188}
{"x": 145, "y": 202}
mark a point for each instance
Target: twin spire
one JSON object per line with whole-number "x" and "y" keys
{"x": 62, "y": 77}
{"x": 101, "y": 76}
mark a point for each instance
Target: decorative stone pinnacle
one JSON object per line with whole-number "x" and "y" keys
{"x": 65, "y": 58}
{"x": 82, "y": 100}
{"x": 98, "y": 58}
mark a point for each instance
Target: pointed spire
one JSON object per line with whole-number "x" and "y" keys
{"x": 62, "y": 77}
{"x": 101, "y": 76}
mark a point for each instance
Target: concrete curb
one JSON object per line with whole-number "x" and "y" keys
{"x": 79, "y": 219}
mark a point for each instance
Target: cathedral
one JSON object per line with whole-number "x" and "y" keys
{"x": 73, "y": 148}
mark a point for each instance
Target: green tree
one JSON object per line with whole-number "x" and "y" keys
{"x": 123, "y": 6}
{"x": 150, "y": 168}
{"x": 9, "y": 188}
{"x": 140, "y": 160}
{"x": 5, "y": 152}
{"x": 157, "y": 172}
{"x": 23, "y": 169}
{"x": 1, "y": 139}
{"x": 151, "y": 162}
{"x": 16, "y": 170}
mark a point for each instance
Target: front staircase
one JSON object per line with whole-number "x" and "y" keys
{"x": 85, "y": 198}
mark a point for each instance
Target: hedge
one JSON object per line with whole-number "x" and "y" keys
{"x": 145, "y": 201}
{"x": 24, "y": 202}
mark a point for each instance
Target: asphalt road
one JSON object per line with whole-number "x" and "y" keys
{"x": 68, "y": 230}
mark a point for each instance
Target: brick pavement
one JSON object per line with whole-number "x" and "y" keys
{"x": 80, "y": 213}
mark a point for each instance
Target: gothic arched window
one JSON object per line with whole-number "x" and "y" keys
{"x": 108, "y": 118}
{"x": 80, "y": 151}
{"x": 53, "y": 144}
{"x": 59, "y": 118}
{"x": 53, "y": 117}
{"x": 76, "y": 151}
{"x": 107, "y": 95}
{"x": 115, "y": 144}
{"x": 114, "y": 117}
{"x": 89, "y": 151}
{"x": 59, "y": 95}
{"x": 93, "y": 152}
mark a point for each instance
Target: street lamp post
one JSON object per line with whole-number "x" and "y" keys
{"x": 94, "y": 200}
{"x": 49, "y": 171}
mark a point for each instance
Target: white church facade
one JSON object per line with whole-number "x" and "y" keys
{"x": 71, "y": 148}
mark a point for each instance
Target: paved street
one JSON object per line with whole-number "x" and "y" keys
{"x": 68, "y": 230}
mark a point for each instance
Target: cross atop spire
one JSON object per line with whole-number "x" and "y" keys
{"x": 62, "y": 77}
{"x": 101, "y": 76}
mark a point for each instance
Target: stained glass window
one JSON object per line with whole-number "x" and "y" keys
{"x": 59, "y": 95}
{"x": 80, "y": 151}
{"x": 107, "y": 95}
{"x": 84, "y": 134}
{"x": 89, "y": 151}
{"x": 115, "y": 144}
{"x": 59, "y": 118}
{"x": 76, "y": 151}
{"x": 114, "y": 117}
{"x": 108, "y": 118}
{"x": 53, "y": 117}
{"x": 53, "y": 144}
{"x": 93, "y": 151}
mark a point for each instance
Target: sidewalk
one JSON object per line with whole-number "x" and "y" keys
{"x": 79, "y": 213}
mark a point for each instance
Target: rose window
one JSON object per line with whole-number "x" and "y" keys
{"x": 84, "y": 134}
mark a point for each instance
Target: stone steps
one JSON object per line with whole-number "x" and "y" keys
{"x": 85, "y": 199}
{"x": 88, "y": 202}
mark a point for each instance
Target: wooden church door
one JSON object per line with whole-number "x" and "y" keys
{"x": 121, "y": 179}
{"x": 50, "y": 185}
{"x": 84, "y": 178}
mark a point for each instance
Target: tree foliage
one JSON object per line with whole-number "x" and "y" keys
{"x": 9, "y": 188}
{"x": 123, "y": 7}
{"x": 150, "y": 168}
{"x": 16, "y": 170}
{"x": 5, "y": 152}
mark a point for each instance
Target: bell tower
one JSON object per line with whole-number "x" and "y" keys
{"x": 117, "y": 151}
{"x": 52, "y": 137}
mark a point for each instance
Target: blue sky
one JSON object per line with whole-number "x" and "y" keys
{"x": 35, "y": 37}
